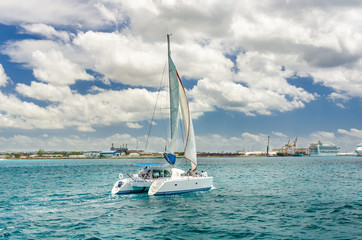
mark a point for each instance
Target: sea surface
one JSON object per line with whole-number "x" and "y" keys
{"x": 253, "y": 198}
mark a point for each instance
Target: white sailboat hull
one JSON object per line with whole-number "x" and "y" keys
{"x": 183, "y": 184}
{"x": 127, "y": 186}
{"x": 175, "y": 183}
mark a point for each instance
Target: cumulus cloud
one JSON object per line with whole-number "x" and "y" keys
{"x": 279, "y": 134}
{"x": 339, "y": 98}
{"x": 236, "y": 97}
{"x": 323, "y": 136}
{"x": 237, "y": 56}
{"x": 134, "y": 125}
{"x": 47, "y": 31}
{"x": 54, "y": 68}
{"x": 353, "y": 132}
{"x": 251, "y": 136}
{"x": 75, "y": 110}
{"x": 3, "y": 77}
{"x": 122, "y": 58}
{"x": 322, "y": 41}
{"x": 75, "y": 13}
{"x": 264, "y": 40}
{"x": 41, "y": 91}
{"x": 349, "y": 139}
{"x": 25, "y": 115}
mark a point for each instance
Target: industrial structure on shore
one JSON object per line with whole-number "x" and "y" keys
{"x": 290, "y": 149}
{"x": 314, "y": 149}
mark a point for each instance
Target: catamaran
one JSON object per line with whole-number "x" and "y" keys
{"x": 162, "y": 180}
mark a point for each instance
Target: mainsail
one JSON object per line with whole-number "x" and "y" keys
{"x": 179, "y": 102}
{"x": 174, "y": 103}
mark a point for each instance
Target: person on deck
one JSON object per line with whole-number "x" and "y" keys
{"x": 145, "y": 172}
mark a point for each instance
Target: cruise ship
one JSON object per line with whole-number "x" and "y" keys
{"x": 320, "y": 149}
{"x": 359, "y": 149}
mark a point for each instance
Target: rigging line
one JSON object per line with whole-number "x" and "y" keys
{"x": 154, "y": 109}
{"x": 164, "y": 122}
{"x": 165, "y": 125}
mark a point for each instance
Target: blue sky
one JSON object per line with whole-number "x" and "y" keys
{"x": 78, "y": 75}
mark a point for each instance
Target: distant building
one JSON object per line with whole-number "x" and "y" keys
{"x": 255, "y": 153}
{"x": 77, "y": 156}
{"x": 115, "y": 153}
{"x": 134, "y": 154}
{"x": 123, "y": 148}
{"x": 91, "y": 154}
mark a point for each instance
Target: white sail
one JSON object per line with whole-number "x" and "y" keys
{"x": 190, "y": 148}
{"x": 178, "y": 99}
{"x": 174, "y": 103}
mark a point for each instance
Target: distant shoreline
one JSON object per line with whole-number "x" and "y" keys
{"x": 122, "y": 157}
{"x": 160, "y": 157}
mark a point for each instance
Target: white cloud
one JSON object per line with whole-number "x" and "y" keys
{"x": 279, "y": 134}
{"x": 234, "y": 96}
{"x": 327, "y": 137}
{"x": 47, "y": 31}
{"x": 353, "y": 132}
{"x": 52, "y": 67}
{"x": 267, "y": 37}
{"x": 339, "y": 98}
{"x": 15, "y": 113}
{"x": 239, "y": 53}
{"x": 217, "y": 143}
{"x": 185, "y": 20}
{"x": 251, "y": 136}
{"x": 75, "y": 13}
{"x": 3, "y": 77}
{"x": 75, "y": 110}
{"x": 134, "y": 125}
{"x": 41, "y": 91}
{"x": 122, "y": 58}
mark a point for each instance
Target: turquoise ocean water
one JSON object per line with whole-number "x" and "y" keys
{"x": 254, "y": 198}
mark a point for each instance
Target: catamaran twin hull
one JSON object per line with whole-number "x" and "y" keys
{"x": 175, "y": 183}
{"x": 164, "y": 186}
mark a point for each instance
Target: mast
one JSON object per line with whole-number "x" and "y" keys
{"x": 168, "y": 45}
{"x": 174, "y": 98}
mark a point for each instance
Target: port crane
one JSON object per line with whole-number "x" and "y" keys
{"x": 289, "y": 148}
{"x": 286, "y": 147}
{"x": 294, "y": 146}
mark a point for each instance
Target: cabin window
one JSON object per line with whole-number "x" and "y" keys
{"x": 156, "y": 173}
{"x": 167, "y": 173}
